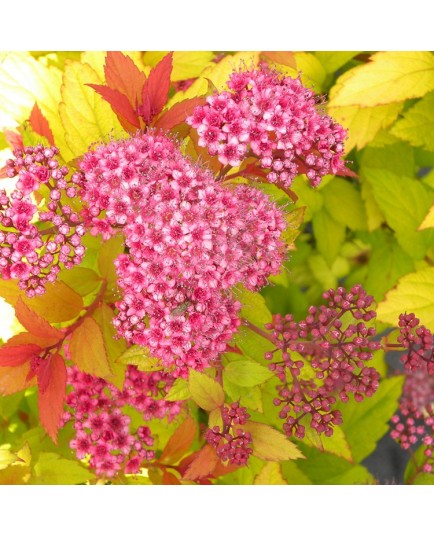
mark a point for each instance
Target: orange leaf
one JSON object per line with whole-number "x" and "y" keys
{"x": 121, "y": 73}
{"x": 119, "y": 103}
{"x": 170, "y": 479}
{"x": 156, "y": 88}
{"x": 282, "y": 58}
{"x": 34, "y": 323}
{"x": 50, "y": 402}
{"x": 14, "y": 139}
{"x": 88, "y": 350}
{"x": 203, "y": 465}
{"x": 13, "y": 356}
{"x": 180, "y": 441}
{"x": 14, "y": 379}
{"x": 28, "y": 338}
{"x": 178, "y": 113}
{"x": 40, "y": 124}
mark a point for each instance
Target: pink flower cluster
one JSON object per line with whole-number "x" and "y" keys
{"x": 275, "y": 119}
{"x": 32, "y": 254}
{"x": 335, "y": 349}
{"x": 103, "y": 430}
{"x": 415, "y": 421}
{"x": 232, "y": 444}
{"x": 419, "y": 341}
{"x": 189, "y": 239}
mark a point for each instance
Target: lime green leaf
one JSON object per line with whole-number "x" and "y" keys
{"x": 270, "y": 444}
{"x": 337, "y": 444}
{"x": 247, "y": 373}
{"x": 139, "y": 356}
{"x": 397, "y": 157}
{"x": 81, "y": 280}
{"x": 329, "y": 235}
{"x": 254, "y": 308}
{"x": 344, "y": 203}
{"x": 412, "y": 294}
{"x": 332, "y": 61}
{"x": 387, "y": 263}
{"x": 417, "y": 125}
{"x": 252, "y": 344}
{"x": 363, "y": 123}
{"x": 87, "y": 349}
{"x": 428, "y": 222}
{"x": 374, "y": 216}
{"x": 271, "y": 473}
{"x": 85, "y": 116}
{"x": 364, "y": 424}
{"x": 206, "y": 392}
{"x": 293, "y": 475}
{"x": 52, "y": 469}
{"x": 178, "y": 391}
{"x": 324, "y": 468}
{"x": 404, "y": 203}
{"x": 388, "y": 77}
{"x": 309, "y": 68}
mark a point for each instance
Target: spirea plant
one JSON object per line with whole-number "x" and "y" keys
{"x": 220, "y": 267}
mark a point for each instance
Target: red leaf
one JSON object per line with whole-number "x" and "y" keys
{"x": 119, "y": 103}
{"x": 180, "y": 441}
{"x": 178, "y": 113}
{"x": 13, "y": 356}
{"x": 50, "y": 402}
{"x": 121, "y": 73}
{"x": 34, "y": 323}
{"x": 43, "y": 374}
{"x": 14, "y": 139}
{"x": 156, "y": 89}
{"x": 40, "y": 124}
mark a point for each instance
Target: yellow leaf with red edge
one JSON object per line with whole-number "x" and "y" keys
{"x": 87, "y": 349}
{"x": 180, "y": 442}
{"x": 86, "y": 118}
{"x": 270, "y": 444}
{"x": 206, "y": 392}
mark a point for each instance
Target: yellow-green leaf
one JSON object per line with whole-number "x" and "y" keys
{"x": 363, "y": 124}
{"x": 139, "y": 356}
{"x": 206, "y": 392}
{"x": 110, "y": 249}
{"x": 332, "y": 61}
{"x": 219, "y": 73}
{"x": 86, "y": 117}
{"x": 247, "y": 373}
{"x": 81, "y": 280}
{"x": 114, "y": 346}
{"x": 52, "y": 469}
{"x": 417, "y": 125}
{"x": 428, "y": 221}
{"x": 388, "y": 77}
{"x": 413, "y": 294}
{"x": 309, "y": 68}
{"x": 269, "y": 444}
{"x": 59, "y": 303}
{"x": 178, "y": 391}
{"x": 7, "y": 457}
{"x": 87, "y": 349}
{"x": 271, "y": 473}
{"x": 337, "y": 444}
{"x": 254, "y": 307}
{"x": 185, "y": 64}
